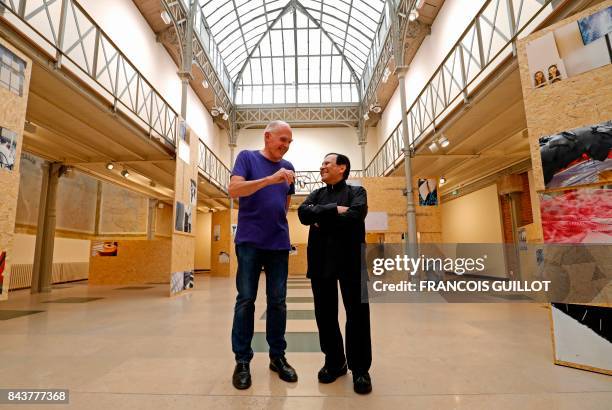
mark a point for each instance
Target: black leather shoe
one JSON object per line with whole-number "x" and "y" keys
{"x": 284, "y": 369}
{"x": 362, "y": 384}
{"x": 241, "y": 378}
{"x": 329, "y": 375}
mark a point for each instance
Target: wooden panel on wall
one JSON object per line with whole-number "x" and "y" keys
{"x": 12, "y": 118}
{"x": 581, "y": 100}
{"x": 137, "y": 262}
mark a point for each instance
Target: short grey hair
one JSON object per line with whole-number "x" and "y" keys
{"x": 274, "y": 125}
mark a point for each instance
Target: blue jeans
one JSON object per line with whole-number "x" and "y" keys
{"x": 275, "y": 265}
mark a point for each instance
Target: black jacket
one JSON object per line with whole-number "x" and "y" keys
{"x": 335, "y": 242}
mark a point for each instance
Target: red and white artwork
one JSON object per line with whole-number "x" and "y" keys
{"x": 577, "y": 216}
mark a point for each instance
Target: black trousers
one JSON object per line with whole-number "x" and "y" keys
{"x": 358, "y": 342}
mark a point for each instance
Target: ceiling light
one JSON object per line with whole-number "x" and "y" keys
{"x": 419, "y": 4}
{"x": 205, "y": 83}
{"x": 376, "y": 108}
{"x": 443, "y": 141}
{"x": 110, "y": 166}
{"x": 125, "y": 173}
{"x": 433, "y": 147}
{"x": 225, "y": 116}
{"x": 214, "y": 111}
{"x": 413, "y": 15}
{"x": 166, "y": 17}
{"x": 442, "y": 180}
{"x": 366, "y": 116}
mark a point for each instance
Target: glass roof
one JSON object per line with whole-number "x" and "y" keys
{"x": 288, "y": 51}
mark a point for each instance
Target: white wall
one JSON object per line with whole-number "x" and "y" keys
{"x": 64, "y": 250}
{"x": 309, "y": 145}
{"x": 473, "y": 218}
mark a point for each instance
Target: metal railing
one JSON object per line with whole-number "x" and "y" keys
{"x": 212, "y": 168}
{"x": 489, "y": 38}
{"x": 308, "y": 181}
{"x": 205, "y": 52}
{"x": 78, "y": 42}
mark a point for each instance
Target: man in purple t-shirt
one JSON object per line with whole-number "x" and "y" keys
{"x": 264, "y": 182}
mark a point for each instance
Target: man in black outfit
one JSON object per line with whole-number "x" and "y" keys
{"x": 336, "y": 215}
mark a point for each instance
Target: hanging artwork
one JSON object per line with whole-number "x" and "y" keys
{"x": 179, "y": 224}
{"x": 428, "y": 192}
{"x": 8, "y": 148}
{"x": 3, "y": 287}
{"x": 193, "y": 193}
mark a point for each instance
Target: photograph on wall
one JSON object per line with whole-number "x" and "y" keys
{"x": 217, "y": 233}
{"x": 577, "y": 216}
{"x": 187, "y": 219}
{"x": 193, "y": 193}
{"x": 188, "y": 279}
{"x": 179, "y": 223}
{"x": 177, "y": 282}
{"x": 428, "y": 192}
{"x": 104, "y": 248}
{"x": 579, "y": 156}
{"x": 596, "y": 26}
{"x": 570, "y": 50}
{"x": 3, "y": 288}
{"x": 8, "y": 148}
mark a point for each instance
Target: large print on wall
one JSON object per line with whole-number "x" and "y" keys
{"x": 580, "y": 156}
{"x": 428, "y": 192}
{"x": 577, "y": 216}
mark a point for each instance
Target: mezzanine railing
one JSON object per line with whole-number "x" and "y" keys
{"x": 212, "y": 168}
{"x": 486, "y": 42}
{"x": 76, "y": 42}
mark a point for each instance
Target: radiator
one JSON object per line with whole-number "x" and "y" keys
{"x": 21, "y": 273}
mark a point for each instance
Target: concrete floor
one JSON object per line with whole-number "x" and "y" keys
{"x": 138, "y": 348}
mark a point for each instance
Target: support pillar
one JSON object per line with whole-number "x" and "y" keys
{"x": 187, "y": 54}
{"x": 411, "y": 238}
{"x": 45, "y": 235}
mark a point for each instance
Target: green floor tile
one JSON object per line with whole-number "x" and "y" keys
{"x": 296, "y": 342}
{"x": 12, "y": 314}
{"x": 296, "y": 315}
{"x": 300, "y": 299}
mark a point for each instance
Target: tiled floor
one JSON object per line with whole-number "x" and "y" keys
{"x": 144, "y": 350}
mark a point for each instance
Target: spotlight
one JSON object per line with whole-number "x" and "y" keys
{"x": 166, "y": 17}
{"x": 413, "y": 15}
{"x": 125, "y": 173}
{"x": 225, "y": 116}
{"x": 214, "y": 111}
{"x": 376, "y": 108}
{"x": 443, "y": 141}
{"x": 442, "y": 180}
{"x": 205, "y": 83}
{"x": 386, "y": 74}
{"x": 366, "y": 116}
{"x": 433, "y": 147}
{"x": 110, "y": 166}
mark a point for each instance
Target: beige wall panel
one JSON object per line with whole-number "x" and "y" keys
{"x": 298, "y": 264}
{"x": 582, "y": 100}
{"x": 183, "y": 253}
{"x": 222, "y": 243}
{"x": 137, "y": 262}
{"x": 12, "y": 117}
{"x": 203, "y": 240}
{"x": 163, "y": 221}
{"x": 183, "y": 243}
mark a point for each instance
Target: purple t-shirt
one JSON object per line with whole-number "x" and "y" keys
{"x": 262, "y": 218}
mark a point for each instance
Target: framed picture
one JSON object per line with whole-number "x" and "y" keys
{"x": 580, "y": 156}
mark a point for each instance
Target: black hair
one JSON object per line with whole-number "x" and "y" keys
{"x": 342, "y": 160}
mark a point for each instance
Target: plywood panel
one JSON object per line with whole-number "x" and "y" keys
{"x": 581, "y": 100}
{"x": 298, "y": 263}
{"x": 221, "y": 243}
{"x": 137, "y": 262}
{"x": 12, "y": 117}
